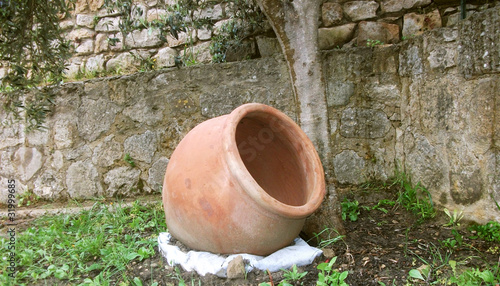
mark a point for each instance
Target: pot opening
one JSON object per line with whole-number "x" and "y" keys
{"x": 274, "y": 156}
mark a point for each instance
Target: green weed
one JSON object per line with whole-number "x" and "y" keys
{"x": 292, "y": 275}
{"x": 416, "y": 199}
{"x": 71, "y": 248}
{"x": 350, "y": 209}
{"x": 487, "y": 232}
{"x": 329, "y": 276}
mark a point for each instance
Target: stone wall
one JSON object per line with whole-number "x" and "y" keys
{"x": 429, "y": 105}
{"x": 343, "y": 23}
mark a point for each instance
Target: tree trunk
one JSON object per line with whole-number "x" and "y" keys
{"x": 295, "y": 22}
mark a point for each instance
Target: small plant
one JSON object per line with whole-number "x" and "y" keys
{"x": 488, "y": 232}
{"x": 322, "y": 243}
{"x": 350, "y": 209}
{"x": 328, "y": 276}
{"x": 27, "y": 198}
{"x": 129, "y": 160}
{"x": 372, "y": 43}
{"x": 454, "y": 218}
{"x": 474, "y": 276}
{"x": 416, "y": 199}
{"x": 293, "y": 275}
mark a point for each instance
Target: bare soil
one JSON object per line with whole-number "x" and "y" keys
{"x": 378, "y": 248}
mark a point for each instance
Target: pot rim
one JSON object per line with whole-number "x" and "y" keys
{"x": 250, "y": 185}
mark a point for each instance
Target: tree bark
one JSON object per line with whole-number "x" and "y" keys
{"x": 295, "y": 23}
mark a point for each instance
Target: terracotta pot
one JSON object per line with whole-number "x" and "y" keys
{"x": 242, "y": 183}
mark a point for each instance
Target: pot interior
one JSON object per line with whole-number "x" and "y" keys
{"x": 273, "y": 155}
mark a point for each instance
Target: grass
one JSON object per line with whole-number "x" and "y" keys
{"x": 89, "y": 248}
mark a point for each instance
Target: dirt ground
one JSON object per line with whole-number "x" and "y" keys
{"x": 377, "y": 248}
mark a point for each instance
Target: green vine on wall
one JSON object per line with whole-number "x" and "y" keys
{"x": 245, "y": 19}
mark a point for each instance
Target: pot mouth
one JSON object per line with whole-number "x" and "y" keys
{"x": 273, "y": 160}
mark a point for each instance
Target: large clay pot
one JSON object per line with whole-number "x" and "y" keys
{"x": 242, "y": 183}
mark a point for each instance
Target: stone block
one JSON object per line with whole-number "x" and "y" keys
{"x": 155, "y": 14}
{"x": 101, "y": 43}
{"x": 199, "y": 53}
{"x": 416, "y": 24}
{"x": 204, "y": 34}
{"x": 86, "y": 47}
{"x": 211, "y": 12}
{"x": 95, "y": 64}
{"x": 383, "y": 32}
{"x": 479, "y": 39}
{"x": 329, "y": 38}
{"x": 108, "y": 24}
{"x": 338, "y": 93}
{"x": 27, "y": 162}
{"x": 95, "y": 117}
{"x": 157, "y": 172}
{"x": 364, "y": 123}
{"x": 48, "y": 185}
{"x": 123, "y": 181}
{"x": 95, "y": 5}
{"x": 79, "y": 34}
{"x": 182, "y": 39}
{"x": 141, "y": 147}
{"x": 165, "y": 57}
{"x": 268, "y": 46}
{"x": 107, "y": 152}
{"x": 85, "y": 20}
{"x": 146, "y": 38}
{"x": 124, "y": 62}
{"x": 361, "y": 10}
{"x": 389, "y": 6}
{"x": 82, "y": 180}
{"x": 66, "y": 24}
{"x": 331, "y": 13}
{"x": 349, "y": 167}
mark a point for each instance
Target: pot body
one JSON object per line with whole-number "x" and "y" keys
{"x": 242, "y": 183}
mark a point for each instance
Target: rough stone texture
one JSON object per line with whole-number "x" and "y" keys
{"x": 415, "y": 24}
{"x": 124, "y": 62}
{"x": 331, "y": 13}
{"x": 389, "y": 6}
{"x": 107, "y": 153}
{"x": 338, "y": 93}
{"x": 480, "y": 54}
{"x": 95, "y": 117}
{"x": 384, "y": 32}
{"x": 361, "y": 10}
{"x": 165, "y": 57}
{"x": 101, "y": 43}
{"x": 364, "y": 123}
{"x": 143, "y": 38}
{"x": 349, "y": 167}
{"x": 157, "y": 173}
{"x": 79, "y": 34}
{"x": 85, "y": 48}
{"x": 27, "y": 162}
{"x": 268, "y": 46}
{"x": 95, "y": 64}
{"x": 141, "y": 147}
{"x": 108, "y": 24}
{"x": 329, "y": 38}
{"x": 123, "y": 181}
{"x": 85, "y": 20}
{"x": 155, "y": 14}
{"x": 236, "y": 268}
{"x": 82, "y": 180}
